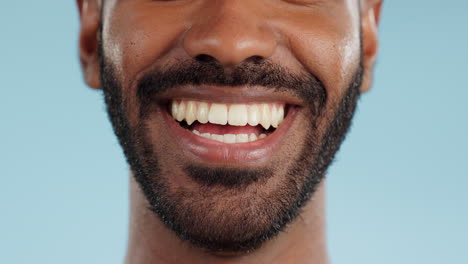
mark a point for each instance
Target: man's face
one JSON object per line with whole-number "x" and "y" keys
{"x": 229, "y": 112}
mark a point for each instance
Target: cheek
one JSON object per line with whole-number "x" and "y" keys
{"x": 326, "y": 44}
{"x": 138, "y": 34}
{"x": 135, "y": 37}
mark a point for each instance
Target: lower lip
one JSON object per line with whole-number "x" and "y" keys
{"x": 210, "y": 151}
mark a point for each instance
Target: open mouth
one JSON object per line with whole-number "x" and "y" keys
{"x": 228, "y": 123}
{"x": 228, "y": 133}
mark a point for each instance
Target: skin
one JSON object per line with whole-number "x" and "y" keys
{"x": 322, "y": 37}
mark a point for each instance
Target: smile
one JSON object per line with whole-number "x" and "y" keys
{"x": 229, "y": 132}
{"x": 234, "y": 123}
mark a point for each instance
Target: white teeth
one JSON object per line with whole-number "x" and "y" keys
{"x": 238, "y": 115}
{"x": 202, "y": 113}
{"x": 190, "y": 115}
{"x": 265, "y": 114}
{"x": 274, "y": 117}
{"x": 218, "y": 114}
{"x": 231, "y": 138}
{"x": 219, "y": 138}
{"x": 181, "y": 112}
{"x": 242, "y": 138}
{"x": 174, "y": 109}
{"x": 254, "y": 115}
{"x": 252, "y": 137}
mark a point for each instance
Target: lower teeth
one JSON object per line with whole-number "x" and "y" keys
{"x": 231, "y": 138}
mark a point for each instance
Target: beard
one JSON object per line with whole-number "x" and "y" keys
{"x": 228, "y": 212}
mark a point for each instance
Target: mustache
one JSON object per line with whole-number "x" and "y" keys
{"x": 251, "y": 72}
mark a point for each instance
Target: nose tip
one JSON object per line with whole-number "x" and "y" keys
{"x": 229, "y": 41}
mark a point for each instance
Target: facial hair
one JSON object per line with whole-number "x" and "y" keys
{"x": 224, "y": 219}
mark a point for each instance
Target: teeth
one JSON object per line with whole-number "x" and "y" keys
{"x": 274, "y": 117}
{"x": 238, "y": 115}
{"x": 231, "y": 138}
{"x": 191, "y": 112}
{"x": 218, "y": 114}
{"x": 254, "y": 115}
{"x": 219, "y": 138}
{"x": 202, "y": 113}
{"x": 181, "y": 112}
{"x": 265, "y": 114}
{"x": 174, "y": 109}
{"x": 242, "y": 138}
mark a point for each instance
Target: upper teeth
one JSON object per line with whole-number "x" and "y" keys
{"x": 265, "y": 114}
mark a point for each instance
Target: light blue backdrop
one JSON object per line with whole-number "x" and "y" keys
{"x": 397, "y": 193}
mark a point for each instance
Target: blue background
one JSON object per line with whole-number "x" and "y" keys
{"x": 397, "y": 193}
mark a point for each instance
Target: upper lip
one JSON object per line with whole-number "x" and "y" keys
{"x": 223, "y": 94}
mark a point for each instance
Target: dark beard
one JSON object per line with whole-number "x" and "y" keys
{"x": 244, "y": 224}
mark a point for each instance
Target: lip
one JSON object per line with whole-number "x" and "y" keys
{"x": 203, "y": 150}
{"x": 240, "y": 94}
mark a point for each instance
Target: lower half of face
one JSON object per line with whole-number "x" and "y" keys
{"x": 228, "y": 175}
